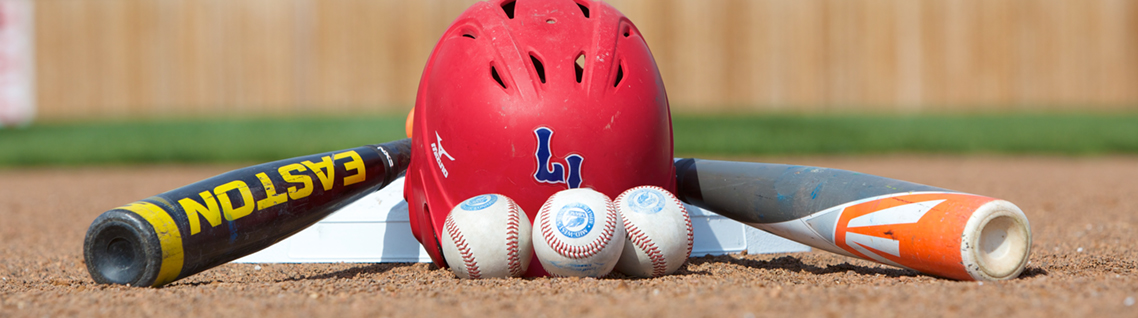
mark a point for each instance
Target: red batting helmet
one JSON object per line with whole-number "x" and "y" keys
{"x": 529, "y": 97}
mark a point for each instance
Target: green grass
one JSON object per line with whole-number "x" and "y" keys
{"x": 190, "y": 141}
{"x": 1066, "y": 134}
{"x": 262, "y": 140}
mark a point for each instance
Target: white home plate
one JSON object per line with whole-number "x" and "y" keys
{"x": 376, "y": 229}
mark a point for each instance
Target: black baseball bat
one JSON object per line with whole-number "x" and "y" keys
{"x": 185, "y": 231}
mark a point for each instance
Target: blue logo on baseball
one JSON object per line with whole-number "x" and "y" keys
{"x": 479, "y": 202}
{"x": 645, "y": 201}
{"x": 574, "y": 220}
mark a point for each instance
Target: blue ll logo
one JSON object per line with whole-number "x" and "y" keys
{"x": 554, "y": 172}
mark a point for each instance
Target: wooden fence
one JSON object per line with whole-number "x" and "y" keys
{"x": 145, "y": 58}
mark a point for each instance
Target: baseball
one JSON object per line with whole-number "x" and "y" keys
{"x": 578, "y": 233}
{"x": 659, "y": 232}
{"x": 487, "y": 236}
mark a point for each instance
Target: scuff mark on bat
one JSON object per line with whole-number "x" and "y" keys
{"x": 814, "y": 194}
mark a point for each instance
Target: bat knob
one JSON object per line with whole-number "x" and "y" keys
{"x": 122, "y": 248}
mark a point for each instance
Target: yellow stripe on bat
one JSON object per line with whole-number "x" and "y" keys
{"x": 168, "y": 235}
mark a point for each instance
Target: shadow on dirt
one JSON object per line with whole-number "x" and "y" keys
{"x": 792, "y": 263}
{"x": 377, "y": 268}
{"x": 1031, "y": 272}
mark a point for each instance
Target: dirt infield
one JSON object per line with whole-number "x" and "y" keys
{"x": 1084, "y": 261}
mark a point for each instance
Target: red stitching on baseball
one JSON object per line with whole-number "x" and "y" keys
{"x": 687, "y": 222}
{"x": 463, "y": 248}
{"x": 641, "y": 239}
{"x": 578, "y": 252}
{"x": 644, "y": 243}
{"x": 512, "y": 223}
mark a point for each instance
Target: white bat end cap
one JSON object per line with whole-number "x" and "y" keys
{"x": 996, "y": 241}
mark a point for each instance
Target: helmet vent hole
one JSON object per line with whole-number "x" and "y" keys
{"x": 468, "y": 35}
{"x": 579, "y": 67}
{"x": 619, "y": 75}
{"x": 584, "y": 10}
{"x": 508, "y": 7}
{"x": 494, "y": 74}
{"x": 626, "y": 31}
{"x": 540, "y": 68}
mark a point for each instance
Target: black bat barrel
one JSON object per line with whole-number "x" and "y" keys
{"x": 166, "y": 237}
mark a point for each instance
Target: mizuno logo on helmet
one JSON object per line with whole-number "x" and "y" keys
{"x": 554, "y": 172}
{"x": 437, "y": 148}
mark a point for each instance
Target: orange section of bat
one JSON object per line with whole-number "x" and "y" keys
{"x": 919, "y": 231}
{"x": 410, "y": 122}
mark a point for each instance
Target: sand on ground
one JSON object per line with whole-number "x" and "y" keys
{"x": 1083, "y": 263}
